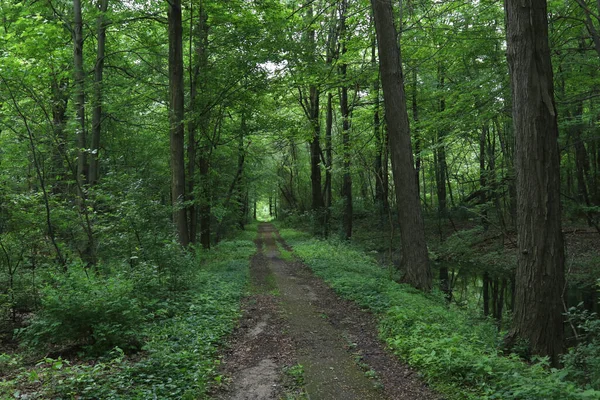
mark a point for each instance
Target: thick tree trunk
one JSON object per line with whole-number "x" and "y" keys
{"x": 412, "y": 232}
{"x": 540, "y": 276}
{"x": 94, "y": 172}
{"x": 176, "y": 112}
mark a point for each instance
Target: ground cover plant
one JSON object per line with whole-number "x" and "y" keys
{"x": 458, "y": 353}
{"x": 177, "y": 338}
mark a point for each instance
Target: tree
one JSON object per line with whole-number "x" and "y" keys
{"x": 176, "y": 112}
{"x": 101, "y": 23}
{"x": 412, "y": 232}
{"x": 345, "y": 111}
{"x": 540, "y": 277}
{"x": 79, "y": 96}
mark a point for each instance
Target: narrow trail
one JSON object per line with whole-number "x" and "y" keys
{"x": 293, "y": 318}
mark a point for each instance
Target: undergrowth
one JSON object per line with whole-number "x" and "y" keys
{"x": 178, "y": 336}
{"x": 457, "y": 353}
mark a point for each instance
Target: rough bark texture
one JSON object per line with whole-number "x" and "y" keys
{"x": 94, "y": 172}
{"x": 79, "y": 96}
{"x": 176, "y": 120}
{"x": 540, "y": 276}
{"x": 412, "y": 233}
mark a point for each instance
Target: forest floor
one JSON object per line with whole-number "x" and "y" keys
{"x": 298, "y": 340}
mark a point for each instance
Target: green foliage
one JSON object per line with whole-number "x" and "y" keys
{"x": 179, "y": 358}
{"x": 82, "y": 309}
{"x": 582, "y": 362}
{"x": 457, "y": 353}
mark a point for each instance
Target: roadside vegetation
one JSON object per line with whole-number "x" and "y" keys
{"x": 458, "y": 351}
{"x": 127, "y": 338}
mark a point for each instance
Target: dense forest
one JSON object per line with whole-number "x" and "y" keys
{"x": 455, "y": 145}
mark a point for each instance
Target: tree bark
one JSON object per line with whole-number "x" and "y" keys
{"x": 345, "y": 111}
{"x": 176, "y": 112}
{"x": 412, "y": 232}
{"x": 540, "y": 277}
{"x": 440, "y": 155}
{"x": 381, "y": 194}
{"x": 79, "y": 97}
{"x": 197, "y": 116}
{"x": 94, "y": 172}
{"x": 328, "y": 193}
{"x": 60, "y": 100}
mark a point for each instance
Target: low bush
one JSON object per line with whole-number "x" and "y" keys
{"x": 457, "y": 354}
{"x": 179, "y": 357}
{"x": 582, "y": 362}
{"x": 84, "y": 310}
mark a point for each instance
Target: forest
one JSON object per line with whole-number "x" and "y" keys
{"x": 436, "y": 162}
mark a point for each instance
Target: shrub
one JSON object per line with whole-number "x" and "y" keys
{"x": 84, "y": 310}
{"x": 582, "y": 362}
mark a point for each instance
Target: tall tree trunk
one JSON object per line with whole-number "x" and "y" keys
{"x": 79, "y": 97}
{"x": 486, "y": 293}
{"x": 328, "y": 192}
{"x": 483, "y": 178}
{"x": 345, "y": 111}
{"x": 415, "y": 110}
{"x": 412, "y": 232}
{"x": 176, "y": 113}
{"x": 540, "y": 276}
{"x": 241, "y": 190}
{"x": 381, "y": 195}
{"x": 60, "y": 100}
{"x": 94, "y": 172}
{"x": 311, "y": 108}
{"x": 317, "y": 203}
{"x": 440, "y": 153}
{"x": 199, "y": 41}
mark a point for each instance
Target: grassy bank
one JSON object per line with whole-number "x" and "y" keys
{"x": 179, "y": 337}
{"x": 457, "y": 353}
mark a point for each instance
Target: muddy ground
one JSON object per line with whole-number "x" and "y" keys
{"x": 298, "y": 340}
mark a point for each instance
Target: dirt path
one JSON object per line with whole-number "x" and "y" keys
{"x": 292, "y": 318}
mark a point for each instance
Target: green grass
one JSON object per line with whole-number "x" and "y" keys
{"x": 179, "y": 358}
{"x": 456, "y": 353}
